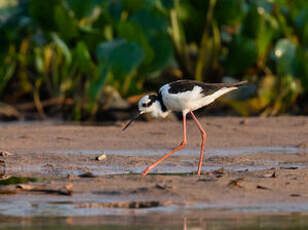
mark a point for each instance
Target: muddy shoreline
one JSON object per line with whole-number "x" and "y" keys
{"x": 253, "y": 181}
{"x": 223, "y": 132}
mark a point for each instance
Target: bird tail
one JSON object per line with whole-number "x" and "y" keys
{"x": 210, "y": 98}
{"x": 235, "y": 84}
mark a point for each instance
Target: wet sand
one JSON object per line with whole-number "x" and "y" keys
{"x": 257, "y": 179}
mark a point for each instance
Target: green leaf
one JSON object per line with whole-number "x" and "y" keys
{"x": 162, "y": 45}
{"x": 39, "y": 62}
{"x": 82, "y": 8}
{"x": 82, "y": 57}
{"x": 302, "y": 67}
{"x": 264, "y": 40}
{"x": 284, "y": 56}
{"x": 115, "y": 9}
{"x": 295, "y": 7}
{"x": 168, "y": 4}
{"x": 260, "y": 25}
{"x": 229, "y": 12}
{"x": 42, "y": 12}
{"x": 63, "y": 47}
{"x": 150, "y": 21}
{"x": 133, "y": 5}
{"x": 6, "y": 73}
{"x": 97, "y": 83}
{"x": 302, "y": 24}
{"x": 126, "y": 58}
{"x": 157, "y": 46}
{"x": 242, "y": 54}
{"x": 133, "y": 32}
{"x": 66, "y": 25}
{"x": 192, "y": 20}
{"x": 105, "y": 49}
{"x": 120, "y": 56}
{"x": 265, "y": 5}
{"x": 253, "y": 22}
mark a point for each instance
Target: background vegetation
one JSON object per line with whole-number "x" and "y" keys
{"x": 70, "y": 50}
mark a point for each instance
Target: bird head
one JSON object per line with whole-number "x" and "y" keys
{"x": 145, "y": 105}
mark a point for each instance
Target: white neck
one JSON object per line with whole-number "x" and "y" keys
{"x": 156, "y": 110}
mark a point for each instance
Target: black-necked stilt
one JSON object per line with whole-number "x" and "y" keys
{"x": 183, "y": 96}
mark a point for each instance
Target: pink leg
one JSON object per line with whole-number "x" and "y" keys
{"x": 203, "y": 133}
{"x": 148, "y": 169}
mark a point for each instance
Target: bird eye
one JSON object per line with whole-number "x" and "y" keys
{"x": 144, "y": 104}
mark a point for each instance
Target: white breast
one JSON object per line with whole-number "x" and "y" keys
{"x": 189, "y": 100}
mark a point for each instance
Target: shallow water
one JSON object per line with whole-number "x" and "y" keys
{"x": 93, "y": 205}
{"x": 85, "y": 211}
{"x": 165, "y": 169}
{"x": 213, "y": 152}
{"x": 184, "y": 152}
{"x": 186, "y": 166}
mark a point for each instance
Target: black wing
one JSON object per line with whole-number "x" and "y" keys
{"x": 181, "y": 86}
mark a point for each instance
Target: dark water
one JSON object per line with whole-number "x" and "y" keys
{"x": 155, "y": 222}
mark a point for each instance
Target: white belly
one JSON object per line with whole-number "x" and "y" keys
{"x": 189, "y": 100}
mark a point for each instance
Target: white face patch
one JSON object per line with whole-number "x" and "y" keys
{"x": 144, "y": 102}
{"x": 150, "y": 104}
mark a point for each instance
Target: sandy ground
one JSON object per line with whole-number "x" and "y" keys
{"x": 223, "y": 132}
{"x": 59, "y": 154}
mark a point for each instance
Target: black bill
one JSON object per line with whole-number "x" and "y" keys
{"x": 132, "y": 121}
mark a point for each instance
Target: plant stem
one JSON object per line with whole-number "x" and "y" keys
{"x": 38, "y": 104}
{"x": 180, "y": 45}
{"x": 203, "y": 45}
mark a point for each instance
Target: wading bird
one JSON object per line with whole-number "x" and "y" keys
{"x": 182, "y": 96}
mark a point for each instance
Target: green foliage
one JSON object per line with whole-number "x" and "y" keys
{"x": 73, "y": 48}
{"x": 229, "y": 12}
{"x": 258, "y": 39}
{"x": 284, "y": 56}
{"x": 242, "y": 50}
{"x": 118, "y": 59}
{"x": 119, "y": 56}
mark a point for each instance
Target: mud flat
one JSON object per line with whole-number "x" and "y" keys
{"x": 253, "y": 166}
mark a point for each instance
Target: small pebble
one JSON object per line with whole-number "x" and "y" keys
{"x": 87, "y": 175}
{"x": 101, "y": 157}
{"x": 295, "y": 195}
{"x": 5, "y": 154}
{"x": 244, "y": 122}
